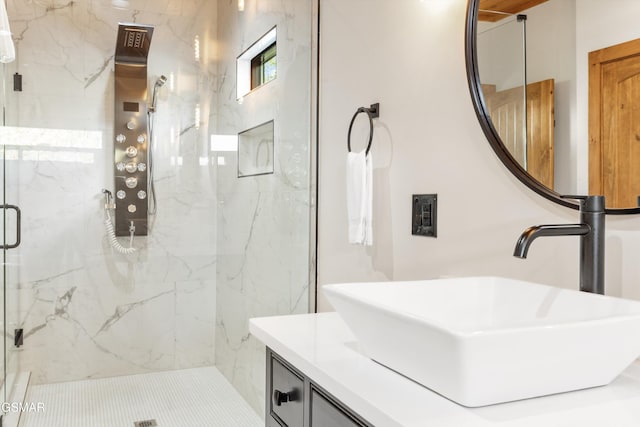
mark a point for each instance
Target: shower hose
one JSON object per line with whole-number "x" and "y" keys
{"x": 111, "y": 236}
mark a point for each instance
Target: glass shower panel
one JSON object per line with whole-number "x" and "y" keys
{"x": 263, "y": 220}
{"x": 87, "y": 310}
{"x": 263, "y": 257}
{"x": 4, "y": 238}
{"x": 502, "y": 69}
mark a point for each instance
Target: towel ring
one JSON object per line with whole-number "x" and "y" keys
{"x": 372, "y": 112}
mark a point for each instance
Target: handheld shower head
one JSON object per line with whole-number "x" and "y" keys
{"x": 158, "y": 84}
{"x": 161, "y": 81}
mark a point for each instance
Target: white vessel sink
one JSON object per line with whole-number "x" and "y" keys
{"x": 485, "y": 340}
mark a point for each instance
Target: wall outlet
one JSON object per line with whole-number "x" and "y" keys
{"x": 424, "y": 215}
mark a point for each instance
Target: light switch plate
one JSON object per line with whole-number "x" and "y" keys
{"x": 424, "y": 215}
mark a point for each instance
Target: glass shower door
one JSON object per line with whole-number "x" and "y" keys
{"x": 4, "y": 262}
{"x": 11, "y": 237}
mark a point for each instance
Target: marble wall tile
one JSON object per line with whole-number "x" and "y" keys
{"x": 79, "y": 330}
{"x": 195, "y": 323}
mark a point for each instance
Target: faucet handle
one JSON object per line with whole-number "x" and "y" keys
{"x": 593, "y": 203}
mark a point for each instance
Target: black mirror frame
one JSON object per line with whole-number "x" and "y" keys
{"x": 473, "y": 78}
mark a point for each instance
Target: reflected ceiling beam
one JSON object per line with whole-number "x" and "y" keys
{"x": 495, "y": 10}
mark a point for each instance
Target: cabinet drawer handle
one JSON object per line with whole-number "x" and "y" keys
{"x": 281, "y": 397}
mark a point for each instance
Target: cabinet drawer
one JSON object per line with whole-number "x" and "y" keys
{"x": 325, "y": 413}
{"x": 287, "y": 397}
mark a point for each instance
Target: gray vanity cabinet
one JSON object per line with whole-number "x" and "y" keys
{"x": 293, "y": 400}
{"x": 325, "y": 413}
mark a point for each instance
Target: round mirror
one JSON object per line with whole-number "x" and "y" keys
{"x": 556, "y": 88}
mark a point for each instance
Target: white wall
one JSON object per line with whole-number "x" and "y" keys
{"x": 409, "y": 56}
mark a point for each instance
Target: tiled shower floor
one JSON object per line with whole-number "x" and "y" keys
{"x": 185, "y": 398}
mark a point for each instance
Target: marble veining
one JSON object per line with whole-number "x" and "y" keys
{"x": 122, "y": 310}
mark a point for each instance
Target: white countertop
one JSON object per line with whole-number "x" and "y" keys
{"x": 324, "y": 349}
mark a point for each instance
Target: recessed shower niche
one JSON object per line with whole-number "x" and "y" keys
{"x": 255, "y": 150}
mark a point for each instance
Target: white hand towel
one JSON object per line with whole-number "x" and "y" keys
{"x": 360, "y": 198}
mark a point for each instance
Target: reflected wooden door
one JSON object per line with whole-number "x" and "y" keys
{"x": 506, "y": 108}
{"x": 614, "y": 124}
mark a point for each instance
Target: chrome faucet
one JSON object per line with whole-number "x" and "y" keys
{"x": 591, "y": 232}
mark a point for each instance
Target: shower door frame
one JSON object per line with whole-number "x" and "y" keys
{"x": 10, "y": 262}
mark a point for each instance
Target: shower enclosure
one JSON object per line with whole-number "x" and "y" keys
{"x": 219, "y": 249}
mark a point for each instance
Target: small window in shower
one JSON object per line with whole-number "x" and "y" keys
{"x": 263, "y": 67}
{"x": 255, "y": 150}
{"x": 257, "y": 65}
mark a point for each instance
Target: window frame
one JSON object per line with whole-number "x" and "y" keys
{"x": 258, "y": 66}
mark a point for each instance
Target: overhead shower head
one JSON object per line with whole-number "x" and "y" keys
{"x": 133, "y": 42}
